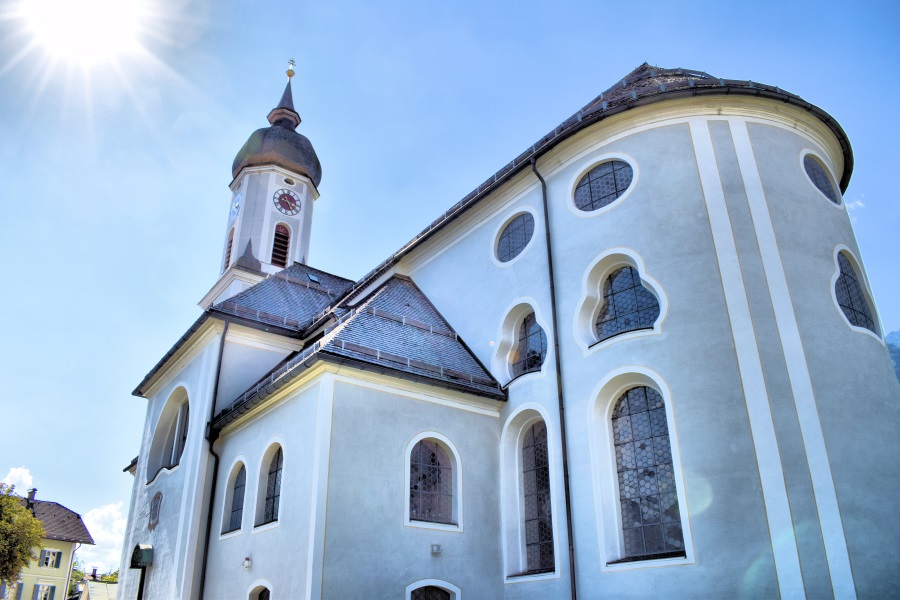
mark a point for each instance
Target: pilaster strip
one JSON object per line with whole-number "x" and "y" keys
{"x": 762, "y": 426}
{"x": 798, "y": 369}
{"x": 315, "y": 557}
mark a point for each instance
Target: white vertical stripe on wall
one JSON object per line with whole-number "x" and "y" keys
{"x": 798, "y": 370}
{"x": 762, "y": 426}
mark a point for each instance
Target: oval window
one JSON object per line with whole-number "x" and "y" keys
{"x": 820, "y": 178}
{"x": 603, "y": 184}
{"x": 514, "y": 237}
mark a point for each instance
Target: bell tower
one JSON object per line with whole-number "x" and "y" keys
{"x": 276, "y": 175}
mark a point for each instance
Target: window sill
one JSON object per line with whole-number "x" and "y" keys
{"x": 623, "y": 336}
{"x": 266, "y": 526}
{"x": 453, "y": 527}
{"x": 536, "y": 575}
{"x": 521, "y": 376}
{"x": 169, "y": 469}
{"x": 230, "y": 534}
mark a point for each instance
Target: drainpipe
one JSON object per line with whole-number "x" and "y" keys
{"x": 559, "y": 381}
{"x": 211, "y": 437}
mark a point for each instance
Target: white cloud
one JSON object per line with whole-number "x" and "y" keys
{"x": 19, "y": 477}
{"x": 107, "y": 526}
{"x": 856, "y": 204}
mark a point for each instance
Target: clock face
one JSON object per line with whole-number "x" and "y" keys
{"x": 236, "y": 205}
{"x": 287, "y": 202}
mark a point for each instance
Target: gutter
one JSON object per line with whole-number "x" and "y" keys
{"x": 211, "y": 436}
{"x": 559, "y": 382}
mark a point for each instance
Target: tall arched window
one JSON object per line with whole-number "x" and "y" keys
{"x": 627, "y": 304}
{"x": 536, "y": 489}
{"x": 273, "y": 489}
{"x": 228, "y": 249}
{"x": 651, "y": 523}
{"x": 430, "y": 483}
{"x": 281, "y": 245}
{"x": 531, "y": 348}
{"x": 236, "y": 515}
{"x": 170, "y": 436}
{"x": 429, "y": 592}
{"x": 850, "y": 296}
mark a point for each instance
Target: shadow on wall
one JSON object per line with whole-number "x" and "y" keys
{"x": 893, "y": 344}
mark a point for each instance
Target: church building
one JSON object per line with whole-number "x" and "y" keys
{"x": 641, "y": 360}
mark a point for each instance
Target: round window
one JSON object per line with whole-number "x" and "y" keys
{"x": 515, "y": 236}
{"x": 603, "y": 184}
{"x": 820, "y": 178}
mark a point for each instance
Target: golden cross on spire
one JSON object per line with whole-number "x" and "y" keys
{"x": 290, "y": 71}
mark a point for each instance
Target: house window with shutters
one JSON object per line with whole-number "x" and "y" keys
{"x": 50, "y": 559}
{"x": 44, "y": 592}
{"x": 281, "y": 245}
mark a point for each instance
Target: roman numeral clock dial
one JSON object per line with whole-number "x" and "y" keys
{"x": 287, "y": 201}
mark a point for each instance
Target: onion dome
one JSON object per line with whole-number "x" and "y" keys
{"x": 279, "y": 144}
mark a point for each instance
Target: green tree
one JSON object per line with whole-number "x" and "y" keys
{"x": 76, "y": 576}
{"x": 20, "y": 534}
{"x": 111, "y": 577}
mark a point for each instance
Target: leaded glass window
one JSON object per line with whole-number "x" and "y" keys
{"x": 531, "y": 348}
{"x": 627, "y": 305}
{"x": 603, "y": 184}
{"x": 651, "y": 523}
{"x": 237, "y": 500}
{"x": 273, "y": 488}
{"x": 536, "y": 486}
{"x": 820, "y": 178}
{"x": 515, "y": 237}
{"x": 429, "y": 593}
{"x": 850, "y": 296}
{"x": 430, "y": 483}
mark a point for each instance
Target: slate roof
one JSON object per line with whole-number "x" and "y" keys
{"x": 60, "y": 523}
{"x": 289, "y": 299}
{"x": 395, "y": 329}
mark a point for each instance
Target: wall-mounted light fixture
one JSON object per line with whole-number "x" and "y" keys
{"x": 247, "y": 562}
{"x": 435, "y": 548}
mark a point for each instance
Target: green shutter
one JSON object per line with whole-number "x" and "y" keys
{"x": 58, "y": 559}
{"x": 52, "y": 591}
{"x": 2, "y": 590}
{"x": 41, "y": 559}
{"x": 34, "y": 593}
{"x": 19, "y": 591}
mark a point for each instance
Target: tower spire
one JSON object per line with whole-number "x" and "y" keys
{"x": 285, "y": 114}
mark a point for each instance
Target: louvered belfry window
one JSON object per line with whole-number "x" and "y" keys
{"x": 651, "y": 523}
{"x": 820, "y": 178}
{"x": 273, "y": 489}
{"x": 851, "y": 298}
{"x": 531, "y": 348}
{"x": 430, "y": 483}
{"x": 429, "y": 593}
{"x": 627, "y": 305}
{"x": 281, "y": 245}
{"x": 228, "y": 250}
{"x": 237, "y": 500}
{"x": 536, "y": 486}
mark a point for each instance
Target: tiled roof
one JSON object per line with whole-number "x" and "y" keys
{"x": 288, "y": 299}
{"x": 395, "y": 329}
{"x": 60, "y": 523}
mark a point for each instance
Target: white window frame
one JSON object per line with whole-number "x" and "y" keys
{"x": 603, "y": 462}
{"x": 458, "y": 490}
{"x": 867, "y": 291}
{"x": 508, "y": 336}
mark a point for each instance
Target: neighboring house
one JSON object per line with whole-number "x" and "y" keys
{"x": 642, "y": 359}
{"x": 47, "y": 578}
{"x": 91, "y": 588}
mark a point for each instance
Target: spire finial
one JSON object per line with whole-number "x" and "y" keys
{"x": 290, "y": 71}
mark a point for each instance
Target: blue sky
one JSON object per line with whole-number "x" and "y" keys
{"x": 114, "y": 177}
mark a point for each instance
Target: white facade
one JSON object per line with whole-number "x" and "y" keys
{"x": 781, "y": 414}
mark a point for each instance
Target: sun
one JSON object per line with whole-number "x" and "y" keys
{"x": 85, "y": 32}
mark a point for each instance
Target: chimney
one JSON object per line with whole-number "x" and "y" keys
{"x": 94, "y": 574}
{"x": 30, "y": 503}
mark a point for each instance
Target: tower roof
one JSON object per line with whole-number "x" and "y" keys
{"x": 279, "y": 144}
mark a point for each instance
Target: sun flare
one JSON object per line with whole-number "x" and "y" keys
{"x": 85, "y": 32}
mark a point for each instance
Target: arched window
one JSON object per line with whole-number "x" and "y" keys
{"x": 281, "y": 245}
{"x": 170, "y": 437}
{"x": 261, "y": 593}
{"x": 651, "y": 523}
{"x": 515, "y": 236}
{"x": 429, "y": 592}
{"x": 536, "y": 489}
{"x": 850, "y": 296}
{"x": 430, "y": 483}
{"x": 820, "y": 178}
{"x": 531, "y": 348}
{"x": 273, "y": 489}
{"x": 228, "y": 247}
{"x": 603, "y": 184}
{"x": 627, "y": 305}
{"x": 236, "y": 514}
